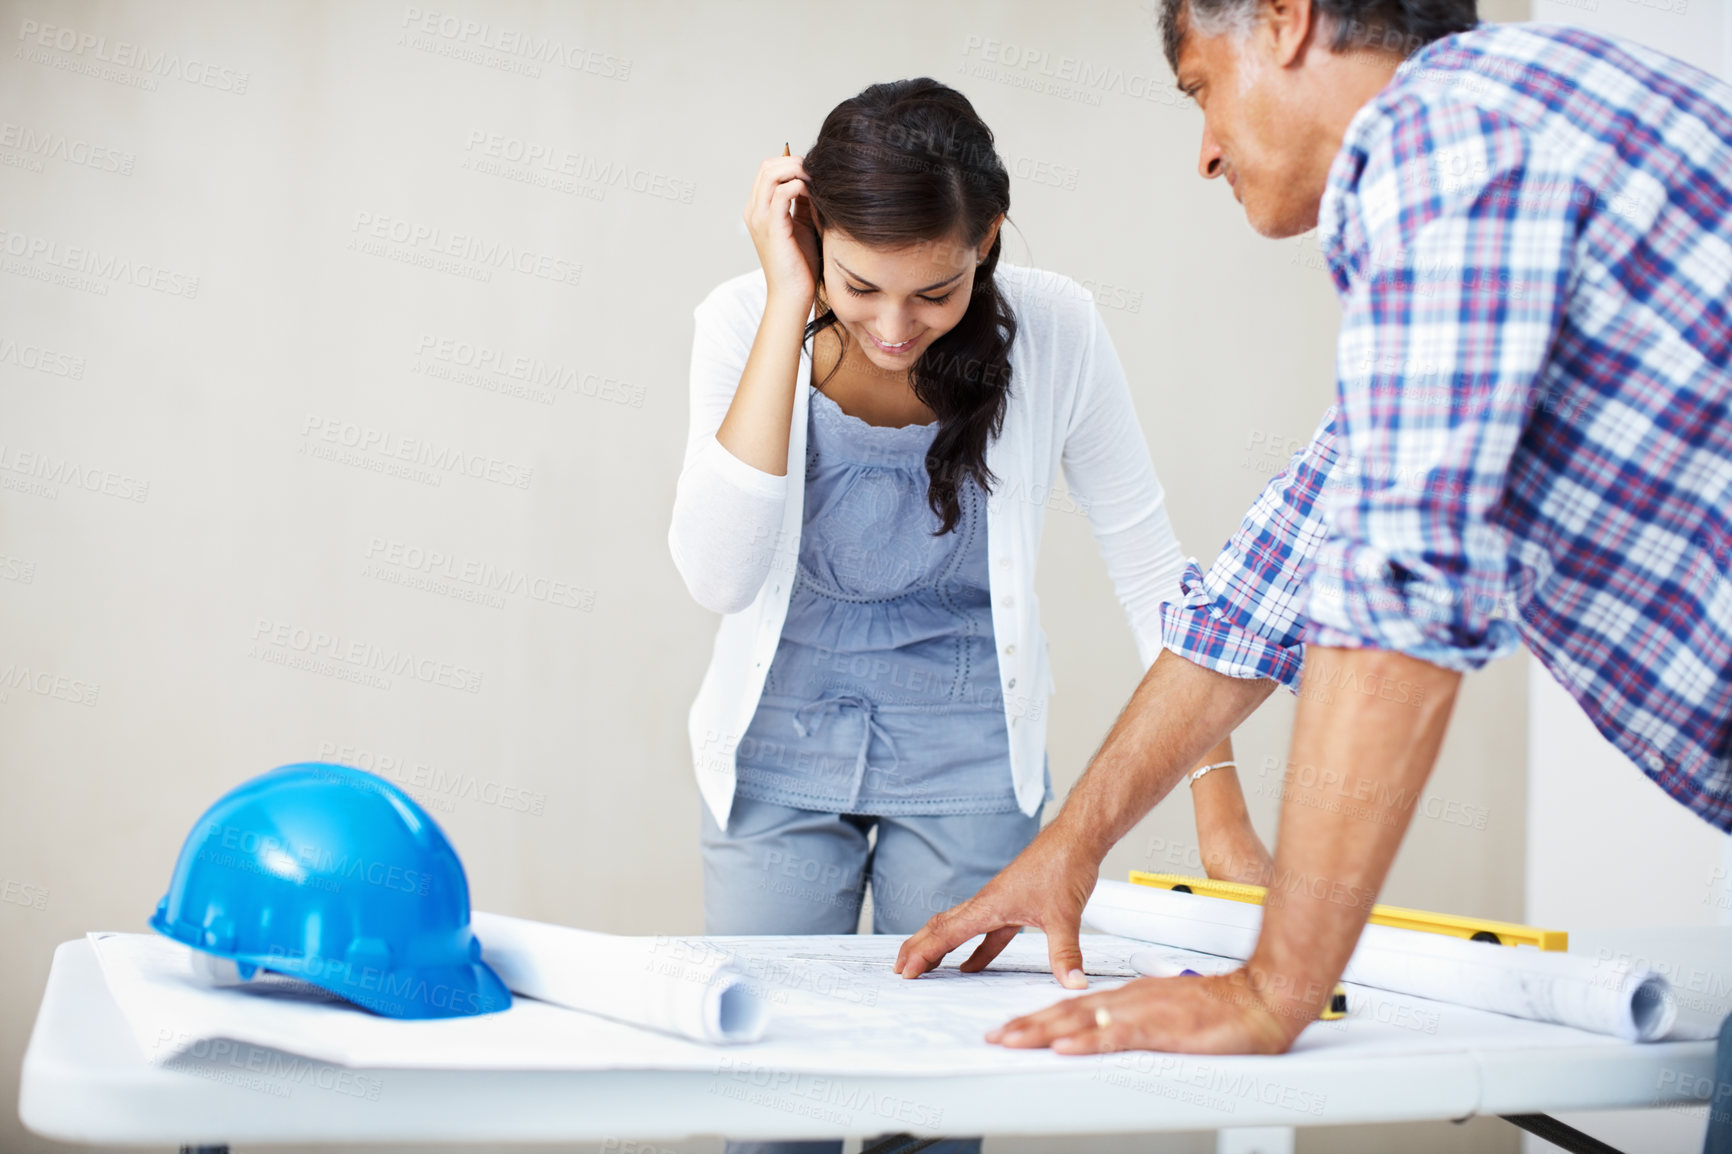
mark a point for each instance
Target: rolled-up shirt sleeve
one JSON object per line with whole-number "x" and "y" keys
{"x": 1452, "y": 300}
{"x": 1244, "y": 617}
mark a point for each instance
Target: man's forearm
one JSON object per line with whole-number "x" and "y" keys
{"x": 1179, "y": 712}
{"x": 1366, "y": 737}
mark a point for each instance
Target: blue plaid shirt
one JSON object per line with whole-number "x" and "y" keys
{"x": 1530, "y": 230}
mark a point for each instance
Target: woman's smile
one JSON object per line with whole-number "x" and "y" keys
{"x": 896, "y": 350}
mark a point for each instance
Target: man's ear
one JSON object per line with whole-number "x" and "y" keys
{"x": 1289, "y": 25}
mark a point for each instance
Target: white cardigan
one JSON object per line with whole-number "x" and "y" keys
{"x": 735, "y": 535}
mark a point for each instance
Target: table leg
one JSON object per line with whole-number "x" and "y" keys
{"x": 899, "y": 1144}
{"x": 1254, "y": 1140}
{"x": 1559, "y": 1134}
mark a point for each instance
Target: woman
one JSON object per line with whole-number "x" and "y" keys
{"x": 877, "y": 419}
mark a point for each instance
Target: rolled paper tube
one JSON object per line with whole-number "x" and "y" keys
{"x": 680, "y": 986}
{"x": 1603, "y": 996}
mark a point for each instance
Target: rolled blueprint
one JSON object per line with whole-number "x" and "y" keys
{"x": 675, "y": 985}
{"x": 1603, "y": 996}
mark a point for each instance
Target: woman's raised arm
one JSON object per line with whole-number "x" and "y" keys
{"x": 729, "y": 501}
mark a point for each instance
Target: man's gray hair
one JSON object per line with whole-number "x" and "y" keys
{"x": 1400, "y": 26}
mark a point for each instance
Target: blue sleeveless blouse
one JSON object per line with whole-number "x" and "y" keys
{"x": 883, "y": 696}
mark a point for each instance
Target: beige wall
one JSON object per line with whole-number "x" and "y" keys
{"x": 153, "y": 595}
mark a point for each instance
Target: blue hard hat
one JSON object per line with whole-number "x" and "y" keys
{"x": 336, "y": 877}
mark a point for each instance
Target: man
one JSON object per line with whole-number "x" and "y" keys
{"x": 1531, "y": 233}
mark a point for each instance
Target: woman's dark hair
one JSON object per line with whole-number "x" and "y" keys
{"x": 911, "y": 162}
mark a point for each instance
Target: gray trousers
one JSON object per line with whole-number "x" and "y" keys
{"x": 1719, "y": 1140}
{"x": 778, "y": 870}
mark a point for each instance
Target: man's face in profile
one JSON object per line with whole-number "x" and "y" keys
{"x": 1260, "y": 133}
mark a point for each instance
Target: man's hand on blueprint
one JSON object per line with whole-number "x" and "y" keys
{"x": 1368, "y": 757}
{"x": 1045, "y": 887}
{"x": 1193, "y": 1015}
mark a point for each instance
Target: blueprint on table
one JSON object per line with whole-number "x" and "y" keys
{"x": 835, "y": 1007}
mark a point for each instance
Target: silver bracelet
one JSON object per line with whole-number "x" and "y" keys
{"x": 1196, "y": 773}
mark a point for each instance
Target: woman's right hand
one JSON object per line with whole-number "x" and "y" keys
{"x": 780, "y": 219}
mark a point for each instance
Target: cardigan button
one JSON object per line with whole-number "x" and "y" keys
{"x": 1009, "y": 649}
{"x": 1012, "y": 684}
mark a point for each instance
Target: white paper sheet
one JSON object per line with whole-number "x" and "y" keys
{"x": 836, "y": 1009}
{"x": 1613, "y": 997}
{"x": 683, "y": 986}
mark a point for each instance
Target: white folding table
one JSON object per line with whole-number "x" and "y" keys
{"x": 85, "y": 1080}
